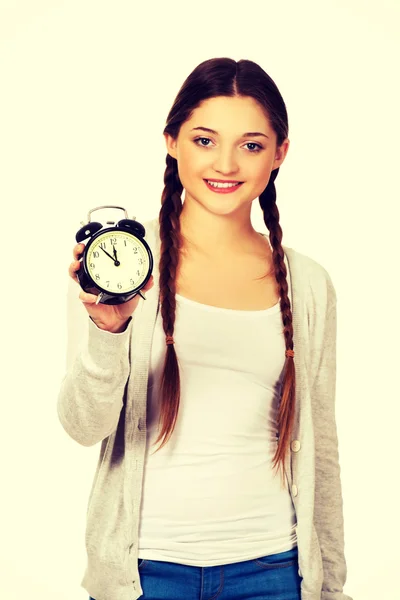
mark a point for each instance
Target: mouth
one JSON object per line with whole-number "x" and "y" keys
{"x": 224, "y": 186}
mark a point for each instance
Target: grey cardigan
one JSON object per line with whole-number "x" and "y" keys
{"x": 102, "y": 398}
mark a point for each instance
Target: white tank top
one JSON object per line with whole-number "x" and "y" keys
{"x": 210, "y": 495}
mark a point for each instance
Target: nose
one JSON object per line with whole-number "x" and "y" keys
{"x": 225, "y": 162}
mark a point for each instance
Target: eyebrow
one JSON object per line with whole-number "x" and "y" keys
{"x": 248, "y": 134}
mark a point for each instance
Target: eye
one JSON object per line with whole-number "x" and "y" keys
{"x": 201, "y": 138}
{"x": 257, "y": 149}
{"x": 254, "y": 151}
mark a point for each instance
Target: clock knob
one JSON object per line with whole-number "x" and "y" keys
{"x": 135, "y": 227}
{"x": 87, "y": 231}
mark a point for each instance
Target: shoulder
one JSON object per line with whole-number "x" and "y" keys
{"x": 308, "y": 273}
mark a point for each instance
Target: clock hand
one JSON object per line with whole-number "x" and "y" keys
{"x": 105, "y": 251}
{"x": 117, "y": 263}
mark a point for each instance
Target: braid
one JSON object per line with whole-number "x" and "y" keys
{"x": 171, "y": 208}
{"x": 285, "y": 417}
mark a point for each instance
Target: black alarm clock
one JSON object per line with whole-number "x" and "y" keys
{"x": 116, "y": 262}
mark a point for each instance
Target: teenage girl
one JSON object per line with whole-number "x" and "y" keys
{"x": 215, "y": 523}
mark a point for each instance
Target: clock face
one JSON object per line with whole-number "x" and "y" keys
{"x": 117, "y": 261}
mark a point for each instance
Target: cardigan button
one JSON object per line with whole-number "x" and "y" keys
{"x": 295, "y": 445}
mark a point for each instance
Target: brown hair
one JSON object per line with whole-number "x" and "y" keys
{"x": 211, "y": 78}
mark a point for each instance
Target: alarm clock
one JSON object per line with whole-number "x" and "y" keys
{"x": 116, "y": 262}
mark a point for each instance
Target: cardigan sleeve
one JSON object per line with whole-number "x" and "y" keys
{"x": 92, "y": 392}
{"x": 328, "y": 506}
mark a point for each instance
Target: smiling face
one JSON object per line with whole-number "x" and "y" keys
{"x": 230, "y": 152}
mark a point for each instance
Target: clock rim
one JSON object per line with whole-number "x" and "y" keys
{"x": 124, "y": 230}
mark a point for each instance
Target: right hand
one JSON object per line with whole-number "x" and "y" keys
{"x": 111, "y": 317}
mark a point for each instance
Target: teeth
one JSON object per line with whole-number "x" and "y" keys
{"x": 222, "y": 185}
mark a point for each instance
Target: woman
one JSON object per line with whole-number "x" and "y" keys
{"x": 205, "y": 515}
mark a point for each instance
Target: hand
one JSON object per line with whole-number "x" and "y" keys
{"x": 111, "y": 317}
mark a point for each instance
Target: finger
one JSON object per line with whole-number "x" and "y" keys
{"x": 147, "y": 287}
{"x": 87, "y": 298}
{"x": 73, "y": 268}
{"x": 150, "y": 282}
{"x": 78, "y": 250}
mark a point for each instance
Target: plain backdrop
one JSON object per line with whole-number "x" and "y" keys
{"x": 85, "y": 91}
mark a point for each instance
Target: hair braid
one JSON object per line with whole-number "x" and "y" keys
{"x": 285, "y": 417}
{"x": 171, "y": 208}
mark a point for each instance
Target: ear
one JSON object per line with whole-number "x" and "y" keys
{"x": 171, "y": 145}
{"x": 280, "y": 154}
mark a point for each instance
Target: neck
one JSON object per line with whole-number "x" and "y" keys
{"x": 209, "y": 235}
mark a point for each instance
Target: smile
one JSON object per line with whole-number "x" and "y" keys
{"x": 222, "y": 188}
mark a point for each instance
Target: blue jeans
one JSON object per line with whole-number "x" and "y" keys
{"x": 274, "y": 576}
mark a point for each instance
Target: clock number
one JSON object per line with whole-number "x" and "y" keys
{"x": 134, "y": 250}
{"x": 103, "y": 245}
{"x": 95, "y": 254}
{"x": 132, "y": 282}
{"x": 119, "y": 286}
{"x": 97, "y": 277}
{"x": 113, "y": 241}
{"x": 138, "y": 272}
{"x": 92, "y": 265}
{"x": 140, "y": 261}
{"x": 108, "y": 283}
{"x": 125, "y": 242}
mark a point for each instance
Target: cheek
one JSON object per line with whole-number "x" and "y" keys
{"x": 193, "y": 162}
{"x": 259, "y": 173}
{"x": 259, "y": 169}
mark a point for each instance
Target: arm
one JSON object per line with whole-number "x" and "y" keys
{"x": 92, "y": 392}
{"x": 328, "y": 509}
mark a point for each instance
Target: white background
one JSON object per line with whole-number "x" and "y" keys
{"x": 85, "y": 91}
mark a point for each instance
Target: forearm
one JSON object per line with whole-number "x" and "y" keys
{"x": 92, "y": 392}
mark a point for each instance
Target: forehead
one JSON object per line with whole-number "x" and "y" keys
{"x": 228, "y": 114}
